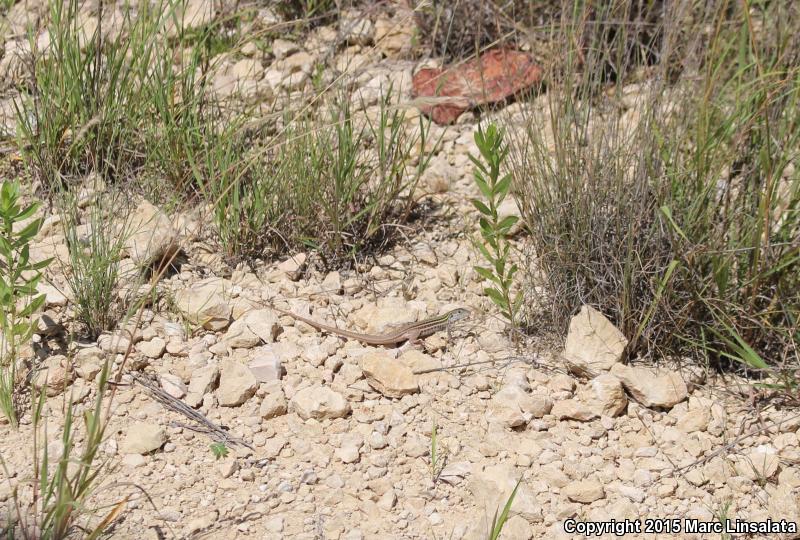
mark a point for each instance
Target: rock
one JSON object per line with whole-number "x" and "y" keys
{"x": 143, "y": 438}
{"x": 663, "y": 390}
{"x": 439, "y": 175}
{"x": 239, "y": 336}
{"x": 493, "y": 77}
{"x": 293, "y": 266}
{"x": 47, "y": 326}
{"x": 387, "y": 500}
{"x": 195, "y": 14}
{"x": 593, "y": 344}
{"x": 632, "y": 492}
{"x": 206, "y": 303}
{"x": 350, "y": 448}
{"x": 88, "y": 362}
{"x": 584, "y": 491}
{"x": 116, "y": 343}
{"x": 52, "y": 296}
{"x": 55, "y": 375}
{"x": 241, "y": 79}
{"x": 150, "y": 238}
{"x": 518, "y": 527}
{"x": 152, "y": 349}
{"x": 273, "y": 405}
{"x": 202, "y": 522}
{"x": 452, "y": 473}
{"x": 263, "y": 323}
{"x": 507, "y": 209}
{"x": 133, "y": 461}
{"x": 513, "y": 407}
{"x": 203, "y": 380}
{"x": 282, "y": 48}
{"x": 319, "y": 402}
{"x": 561, "y": 383}
{"x": 393, "y": 37}
{"x": 172, "y": 385}
{"x": 236, "y": 384}
{"x": 274, "y": 525}
{"x": 355, "y": 27}
{"x": 784, "y": 504}
{"x": 759, "y": 465}
{"x": 492, "y": 487}
{"x": 300, "y": 62}
{"x": 607, "y": 396}
{"x": 383, "y": 318}
{"x": 387, "y": 376}
{"x": 418, "y": 361}
{"x": 573, "y": 409}
{"x": 695, "y": 419}
{"x": 266, "y": 365}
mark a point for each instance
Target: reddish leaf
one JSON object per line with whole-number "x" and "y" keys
{"x": 493, "y": 77}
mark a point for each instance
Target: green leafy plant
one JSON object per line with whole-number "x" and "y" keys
{"x": 219, "y": 450}
{"x": 19, "y": 277}
{"x": 495, "y": 232}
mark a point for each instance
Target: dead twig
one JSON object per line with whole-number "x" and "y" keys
{"x": 723, "y": 449}
{"x": 218, "y": 433}
{"x": 508, "y": 359}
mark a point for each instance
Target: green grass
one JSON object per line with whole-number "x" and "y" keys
{"x": 92, "y": 269}
{"x": 499, "y": 521}
{"x": 58, "y": 488}
{"x": 333, "y": 181}
{"x": 327, "y": 178}
{"x": 681, "y": 220}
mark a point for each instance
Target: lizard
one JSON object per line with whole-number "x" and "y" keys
{"x": 408, "y": 332}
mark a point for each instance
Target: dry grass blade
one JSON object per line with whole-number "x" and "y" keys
{"x": 110, "y": 517}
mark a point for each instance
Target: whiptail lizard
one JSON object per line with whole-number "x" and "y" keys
{"x": 408, "y": 332}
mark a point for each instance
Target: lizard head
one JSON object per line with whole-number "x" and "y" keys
{"x": 458, "y": 314}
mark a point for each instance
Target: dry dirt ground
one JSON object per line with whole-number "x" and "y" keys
{"x": 341, "y": 433}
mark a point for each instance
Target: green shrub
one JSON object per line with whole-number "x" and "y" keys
{"x": 19, "y": 277}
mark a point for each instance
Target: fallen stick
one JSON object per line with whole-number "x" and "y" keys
{"x": 218, "y": 433}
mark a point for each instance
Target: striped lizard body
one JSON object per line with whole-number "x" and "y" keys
{"x": 408, "y": 332}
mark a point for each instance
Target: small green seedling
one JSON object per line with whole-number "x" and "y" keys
{"x": 219, "y": 450}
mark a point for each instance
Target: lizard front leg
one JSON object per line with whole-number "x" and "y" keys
{"x": 412, "y": 339}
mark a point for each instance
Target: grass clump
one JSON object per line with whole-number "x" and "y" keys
{"x": 123, "y": 103}
{"x": 95, "y": 239}
{"x": 338, "y": 185}
{"x": 674, "y": 204}
{"x": 52, "y": 503}
{"x": 19, "y": 300}
{"x": 87, "y": 104}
